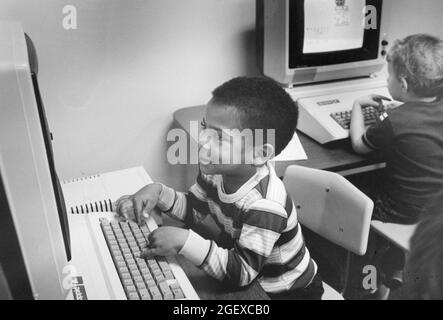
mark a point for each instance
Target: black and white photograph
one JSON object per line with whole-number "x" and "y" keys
{"x": 221, "y": 156}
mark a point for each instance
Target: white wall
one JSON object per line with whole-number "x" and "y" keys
{"x": 110, "y": 87}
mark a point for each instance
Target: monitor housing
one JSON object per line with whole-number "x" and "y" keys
{"x": 35, "y": 246}
{"x": 294, "y": 37}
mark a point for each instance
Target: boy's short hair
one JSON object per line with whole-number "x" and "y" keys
{"x": 261, "y": 104}
{"x": 419, "y": 59}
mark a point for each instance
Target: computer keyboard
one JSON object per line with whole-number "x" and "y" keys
{"x": 343, "y": 118}
{"x": 150, "y": 279}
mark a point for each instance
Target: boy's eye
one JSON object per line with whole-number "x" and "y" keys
{"x": 203, "y": 124}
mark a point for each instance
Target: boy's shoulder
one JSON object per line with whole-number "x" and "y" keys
{"x": 411, "y": 113}
{"x": 273, "y": 196}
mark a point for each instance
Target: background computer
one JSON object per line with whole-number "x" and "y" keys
{"x": 34, "y": 235}
{"x": 327, "y": 53}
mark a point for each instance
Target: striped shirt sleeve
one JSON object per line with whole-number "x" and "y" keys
{"x": 191, "y": 207}
{"x": 262, "y": 227}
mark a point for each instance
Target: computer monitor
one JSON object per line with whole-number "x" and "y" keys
{"x": 34, "y": 234}
{"x": 309, "y": 41}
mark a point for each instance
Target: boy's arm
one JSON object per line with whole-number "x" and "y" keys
{"x": 190, "y": 208}
{"x": 253, "y": 246}
{"x": 357, "y": 129}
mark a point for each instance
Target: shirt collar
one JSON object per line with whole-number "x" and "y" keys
{"x": 261, "y": 173}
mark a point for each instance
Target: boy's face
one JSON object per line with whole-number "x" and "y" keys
{"x": 221, "y": 150}
{"x": 394, "y": 85}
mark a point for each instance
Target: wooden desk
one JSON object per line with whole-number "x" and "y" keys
{"x": 337, "y": 156}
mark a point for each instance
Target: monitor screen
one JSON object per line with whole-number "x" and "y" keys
{"x": 328, "y": 32}
{"x": 333, "y": 25}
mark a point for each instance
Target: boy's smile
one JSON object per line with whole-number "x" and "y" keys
{"x": 216, "y": 147}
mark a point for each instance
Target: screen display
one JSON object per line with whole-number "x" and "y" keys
{"x": 333, "y": 25}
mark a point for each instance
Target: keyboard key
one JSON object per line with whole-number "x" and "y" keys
{"x": 131, "y": 288}
{"x": 168, "y": 296}
{"x": 164, "y": 266}
{"x": 133, "y": 296}
{"x": 151, "y": 283}
{"x": 144, "y": 294}
{"x": 145, "y": 230}
{"x": 174, "y": 285}
{"x": 144, "y": 270}
{"x": 119, "y": 258}
{"x": 126, "y": 251}
{"x": 140, "y": 285}
{"x": 141, "y": 263}
{"x": 147, "y": 276}
{"x": 178, "y": 293}
{"x": 155, "y": 293}
{"x": 128, "y": 282}
{"x": 134, "y": 272}
{"x": 156, "y": 272}
{"x": 125, "y": 275}
{"x": 159, "y": 278}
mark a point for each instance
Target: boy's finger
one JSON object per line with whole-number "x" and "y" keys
{"x": 138, "y": 207}
{"x": 124, "y": 207}
{"x": 149, "y": 253}
{"x": 118, "y": 202}
{"x": 150, "y": 205}
{"x": 380, "y": 97}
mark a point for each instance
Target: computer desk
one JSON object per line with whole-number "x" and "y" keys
{"x": 337, "y": 156}
{"x": 90, "y": 262}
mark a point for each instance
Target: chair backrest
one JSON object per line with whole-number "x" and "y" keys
{"x": 330, "y": 206}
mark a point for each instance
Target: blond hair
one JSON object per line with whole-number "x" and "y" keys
{"x": 419, "y": 59}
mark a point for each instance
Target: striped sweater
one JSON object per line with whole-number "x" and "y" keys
{"x": 261, "y": 220}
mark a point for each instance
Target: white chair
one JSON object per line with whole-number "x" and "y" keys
{"x": 399, "y": 234}
{"x": 333, "y": 208}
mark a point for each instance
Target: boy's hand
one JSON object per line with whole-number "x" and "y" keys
{"x": 165, "y": 241}
{"x": 371, "y": 100}
{"x": 139, "y": 205}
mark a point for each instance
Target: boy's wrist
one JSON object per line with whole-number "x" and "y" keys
{"x": 166, "y": 198}
{"x": 195, "y": 248}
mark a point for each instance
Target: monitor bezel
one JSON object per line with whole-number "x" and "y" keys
{"x": 297, "y": 59}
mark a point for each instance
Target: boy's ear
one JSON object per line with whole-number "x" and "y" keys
{"x": 404, "y": 85}
{"x": 262, "y": 154}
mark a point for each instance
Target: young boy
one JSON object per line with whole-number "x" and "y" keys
{"x": 410, "y": 136}
{"x": 247, "y": 200}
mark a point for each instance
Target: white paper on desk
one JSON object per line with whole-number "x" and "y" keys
{"x": 294, "y": 151}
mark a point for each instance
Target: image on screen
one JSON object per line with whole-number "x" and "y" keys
{"x": 333, "y": 25}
